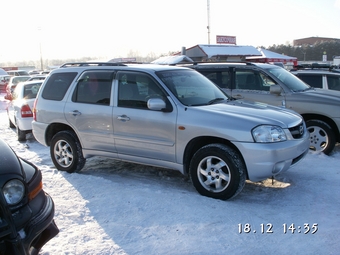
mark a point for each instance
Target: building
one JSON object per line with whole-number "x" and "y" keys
{"x": 213, "y": 52}
{"x": 273, "y": 57}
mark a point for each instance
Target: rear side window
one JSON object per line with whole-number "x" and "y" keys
{"x": 57, "y": 85}
{"x": 94, "y": 87}
{"x": 220, "y": 78}
{"x": 314, "y": 81}
{"x": 252, "y": 80}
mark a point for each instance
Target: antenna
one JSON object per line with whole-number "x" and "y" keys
{"x": 208, "y": 27}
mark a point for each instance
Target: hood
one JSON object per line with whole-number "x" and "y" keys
{"x": 9, "y": 162}
{"x": 254, "y": 113}
{"x": 324, "y": 96}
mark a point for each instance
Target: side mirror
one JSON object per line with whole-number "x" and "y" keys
{"x": 156, "y": 104}
{"x": 275, "y": 89}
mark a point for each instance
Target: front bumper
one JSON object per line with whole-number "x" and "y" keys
{"x": 34, "y": 235}
{"x": 264, "y": 160}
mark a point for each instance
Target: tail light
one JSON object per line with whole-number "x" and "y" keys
{"x": 35, "y": 110}
{"x": 26, "y": 111}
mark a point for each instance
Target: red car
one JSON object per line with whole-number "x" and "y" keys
{"x": 4, "y": 79}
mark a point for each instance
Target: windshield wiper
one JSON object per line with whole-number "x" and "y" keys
{"x": 215, "y": 100}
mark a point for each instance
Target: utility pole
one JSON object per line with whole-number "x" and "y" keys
{"x": 208, "y": 27}
{"x": 41, "y": 59}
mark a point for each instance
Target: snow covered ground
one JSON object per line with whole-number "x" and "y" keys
{"x": 113, "y": 207}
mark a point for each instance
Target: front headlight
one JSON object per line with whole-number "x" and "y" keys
{"x": 268, "y": 134}
{"x": 13, "y": 191}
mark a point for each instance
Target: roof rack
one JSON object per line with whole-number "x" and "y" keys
{"x": 215, "y": 62}
{"x": 78, "y": 64}
{"x": 313, "y": 66}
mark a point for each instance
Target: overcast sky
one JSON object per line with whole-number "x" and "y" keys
{"x": 113, "y": 28}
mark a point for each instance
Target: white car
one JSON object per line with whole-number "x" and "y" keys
{"x": 19, "y": 109}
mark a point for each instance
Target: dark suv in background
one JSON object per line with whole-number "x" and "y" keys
{"x": 274, "y": 85}
{"x": 319, "y": 76}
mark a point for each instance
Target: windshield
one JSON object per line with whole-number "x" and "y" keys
{"x": 290, "y": 80}
{"x": 192, "y": 88}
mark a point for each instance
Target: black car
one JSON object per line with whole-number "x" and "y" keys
{"x": 26, "y": 211}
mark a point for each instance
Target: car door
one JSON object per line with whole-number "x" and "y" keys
{"x": 89, "y": 110}
{"x": 254, "y": 85}
{"x": 139, "y": 131}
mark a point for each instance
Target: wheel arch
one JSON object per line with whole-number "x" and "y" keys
{"x": 198, "y": 142}
{"x": 325, "y": 119}
{"x": 55, "y": 128}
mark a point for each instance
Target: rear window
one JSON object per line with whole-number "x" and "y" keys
{"x": 31, "y": 90}
{"x": 57, "y": 85}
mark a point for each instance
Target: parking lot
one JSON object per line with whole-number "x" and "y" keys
{"x": 112, "y": 207}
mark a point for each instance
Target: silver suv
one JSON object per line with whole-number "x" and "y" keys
{"x": 164, "y": 116}
{"x": 274, "y": 85}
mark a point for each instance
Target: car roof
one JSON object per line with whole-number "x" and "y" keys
{"x": 19, "y": 70}
{"x": 114, "y": 66}
{"x": 315, "y": 71}
{"x": 20, "y": 76}
{"x": 31, "y": 82}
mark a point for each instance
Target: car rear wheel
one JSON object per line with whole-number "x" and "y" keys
{"x": 21, "y": 134}
{"x": 322, "y": 138}
{"x": 218, "y": 171}
{"x": 11, "y": 125}
{"x": 66, "y": 152}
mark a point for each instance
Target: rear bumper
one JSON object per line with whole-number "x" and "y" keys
{"x": 39, "y": 131}
{"x": 25, "y": 124}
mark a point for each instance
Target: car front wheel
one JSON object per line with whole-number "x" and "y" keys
{"x": 218, "y": 171}
{"x": 322, "y": 138}
{"x": 66, "y": 152}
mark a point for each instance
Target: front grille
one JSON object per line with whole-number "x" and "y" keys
{"x": 297, "y": 131}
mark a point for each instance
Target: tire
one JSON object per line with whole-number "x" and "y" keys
{"x": 11, "y": 125}
{"x": 322, "y": 138}
{"x": 66, "y": 152}
{"x": 217, "y": 171}
{"x": 21, "y": 134}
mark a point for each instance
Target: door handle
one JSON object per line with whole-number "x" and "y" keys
{"x": 123, "y": 118}
{"x": 75, "y": 113}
